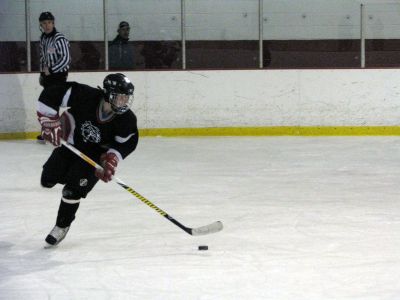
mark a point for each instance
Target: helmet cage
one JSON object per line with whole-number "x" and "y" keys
{"x": 118, "y": 91}
{"x": 120, "y": 103}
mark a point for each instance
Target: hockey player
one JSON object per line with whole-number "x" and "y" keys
{"x": 99, "y": 123}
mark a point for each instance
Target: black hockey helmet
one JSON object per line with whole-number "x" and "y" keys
{"x": 46, "y": 16}
{"x": 118, "y": 92}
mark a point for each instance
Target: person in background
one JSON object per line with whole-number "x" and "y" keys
{"x": 120, "y": 51}
{"x": 55, "y": 58}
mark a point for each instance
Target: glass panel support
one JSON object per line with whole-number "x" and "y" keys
{"x": 362, "y": 35}
{"x": 105, "y": 23}
{"x": 261, "y": 32}
{"x": 183, "y": 33}
{"x": 28, "y": 35}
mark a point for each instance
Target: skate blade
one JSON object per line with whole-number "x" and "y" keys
{"x": 49, "y": 246}
{"x": 42, "y": 142}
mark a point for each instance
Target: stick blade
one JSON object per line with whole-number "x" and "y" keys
{"x": 208, "y": 229}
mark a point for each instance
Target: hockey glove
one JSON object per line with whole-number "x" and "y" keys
{"x": 109, "y": 162}
{"x": 51, "y": 128}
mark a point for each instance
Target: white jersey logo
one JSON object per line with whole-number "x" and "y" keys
{"x": 90, "y": 132}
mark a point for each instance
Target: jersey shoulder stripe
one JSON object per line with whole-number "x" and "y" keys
{"x": 59, "y": 36}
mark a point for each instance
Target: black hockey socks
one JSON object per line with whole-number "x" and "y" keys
{"x": 66, "y": 213}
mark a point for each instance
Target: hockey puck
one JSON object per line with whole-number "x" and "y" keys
{"x": 203, "y": 248}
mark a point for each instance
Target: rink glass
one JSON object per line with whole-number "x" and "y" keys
{"x": 208, "y": 34}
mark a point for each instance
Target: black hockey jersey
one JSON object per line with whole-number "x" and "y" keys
{"x": 89, "y": 131}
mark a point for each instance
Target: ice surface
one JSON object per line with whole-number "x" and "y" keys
{"x": 304, "y": 218}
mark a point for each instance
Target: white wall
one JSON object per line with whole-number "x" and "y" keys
{"x": 206, "y": 19}
{"x": 232, "y": 98}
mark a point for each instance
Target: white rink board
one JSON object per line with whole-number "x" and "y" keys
{"x": 242, "y": 98}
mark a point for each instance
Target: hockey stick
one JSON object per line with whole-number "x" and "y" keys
{"x": 203, "y": 230}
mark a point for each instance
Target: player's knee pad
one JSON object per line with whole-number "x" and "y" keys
{"x": 72, "y": 193}
{"x": 46, "y": 182}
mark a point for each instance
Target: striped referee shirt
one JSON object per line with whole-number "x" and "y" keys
{"x": 54, "y": 52}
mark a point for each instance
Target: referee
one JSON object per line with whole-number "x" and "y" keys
{"x": 54, "y": 53}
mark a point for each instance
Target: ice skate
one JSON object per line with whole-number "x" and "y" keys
{"x": 40, "y": 140}
{"x": 56, "y": 235}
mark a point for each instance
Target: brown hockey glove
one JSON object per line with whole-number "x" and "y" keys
{"x": 109, "y": 162}
{"x": 51, "y": 129}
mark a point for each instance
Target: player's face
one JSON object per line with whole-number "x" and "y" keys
{"x": 121, "y": 100}
{"x": 121, "y": 103}
{"x": 124, "y": 32}
{"x": 47, "y": 26}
